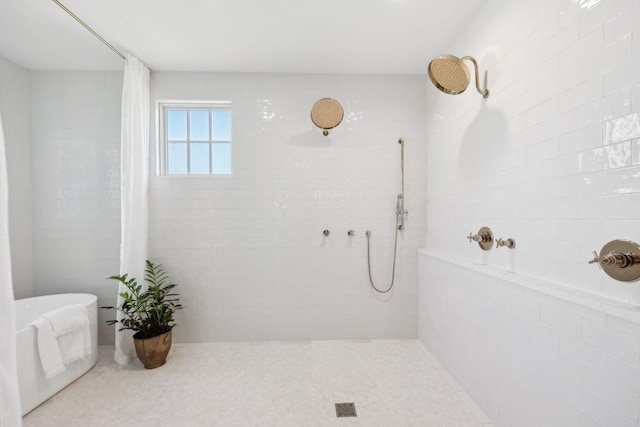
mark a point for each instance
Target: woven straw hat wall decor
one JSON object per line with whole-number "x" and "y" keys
{"x": 327, "y": 113}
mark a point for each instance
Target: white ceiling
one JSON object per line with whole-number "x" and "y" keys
{"x": 293, "y": 36}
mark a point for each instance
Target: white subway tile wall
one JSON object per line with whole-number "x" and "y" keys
{"x": 528, "y": 358}
{"x": 248, "y": 250}
{"x": 75, "y": 151}
{"x": 551, "y": 157}
{"x": 14, "y": 108}
{"x": 551, "y": 160}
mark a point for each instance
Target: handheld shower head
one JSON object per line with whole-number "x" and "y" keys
{"x": 450, "y": 74}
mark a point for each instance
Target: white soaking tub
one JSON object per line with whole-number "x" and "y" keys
{"x": 35, "y": 388}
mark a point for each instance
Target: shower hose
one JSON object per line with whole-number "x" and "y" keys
{"x": 393, "y": 270}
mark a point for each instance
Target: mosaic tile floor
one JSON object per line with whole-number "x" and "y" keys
{"x": 393, "y": 383}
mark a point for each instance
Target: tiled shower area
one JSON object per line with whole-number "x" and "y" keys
{"x": 292, "y": 383}
{"x": 280, "y": 321}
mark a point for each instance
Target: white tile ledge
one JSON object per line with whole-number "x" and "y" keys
{"x": 555, "y": 289}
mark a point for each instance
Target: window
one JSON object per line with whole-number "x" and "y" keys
{"x": 195, "y": 138}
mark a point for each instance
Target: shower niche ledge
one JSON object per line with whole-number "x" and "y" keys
{"x": 551, "y": 288}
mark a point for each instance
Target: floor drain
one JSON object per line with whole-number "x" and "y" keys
{"x": 346, "y": 410}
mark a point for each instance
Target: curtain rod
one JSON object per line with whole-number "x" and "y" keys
{"x": 81, "y": 22}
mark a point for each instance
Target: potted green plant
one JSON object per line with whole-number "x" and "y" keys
{"x": 148, "y": 313}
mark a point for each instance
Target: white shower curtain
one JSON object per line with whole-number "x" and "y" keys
{"x": 10, "y": 411}
{"x": 134, "y": 182}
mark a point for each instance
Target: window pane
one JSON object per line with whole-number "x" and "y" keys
{"x": 221, "y": 157}
{"x": 199, "y": 125}
{"x": 177, "y": 125}
{"x": 221, "y": 126}
{"x": 199, "y": 157}
{"x": 177, "y": 157}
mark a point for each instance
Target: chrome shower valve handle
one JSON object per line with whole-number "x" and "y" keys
{"x": 474, "y": 237}
{"x": 480, "y": 238}
{"x": 620, "y": 259}
{"x": 509, "y": 243}
{"x": 484, "y": 238}
{"x": 596, "y": 259}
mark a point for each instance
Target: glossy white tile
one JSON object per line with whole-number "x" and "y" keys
{"x": 573, "y": 122}
{"x": 528, "y": 348}
{"x": 14, "y": 107}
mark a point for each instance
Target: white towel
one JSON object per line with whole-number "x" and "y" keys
{"x": 67, "y": 319}
{"x": 50, "y": 356}
{"x": 64, "y": 336}
{"x": 75, "y": 345}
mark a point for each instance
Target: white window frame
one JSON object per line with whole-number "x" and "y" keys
{"x": 162, "y": 140}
